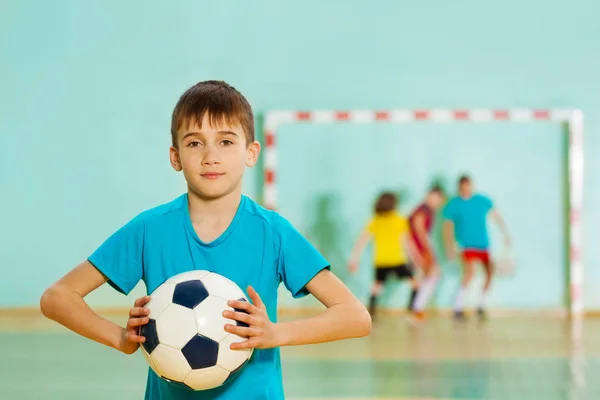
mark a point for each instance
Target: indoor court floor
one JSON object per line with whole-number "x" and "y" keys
{"x": 526, "y": 358}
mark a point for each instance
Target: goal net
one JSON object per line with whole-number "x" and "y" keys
{"x": 323, "y": 170}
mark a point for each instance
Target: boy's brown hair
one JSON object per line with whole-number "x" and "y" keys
{"x": 222, "y": 102}
{"x": 438, "y": 189}
{"x": 386, "y": 202}
{"x": 464, "y": 179}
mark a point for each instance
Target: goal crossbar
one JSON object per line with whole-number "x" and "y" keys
{"x": 573, "y": 118}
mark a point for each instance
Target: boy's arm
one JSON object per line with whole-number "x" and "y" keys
{"x": 345, "y": 317}
{"x": 357, "y": 250}
{"x": 448, "y": 230}
{"x": 64, "y": 303}
{"x": 448, "y": 233}
{"x": 495, "y": 214}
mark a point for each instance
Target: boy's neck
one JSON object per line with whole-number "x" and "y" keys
{"x": 223, "y": 207}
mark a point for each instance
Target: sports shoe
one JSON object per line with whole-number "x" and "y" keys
{"x": 459, "y": 316}
{"x": 481, "y": 315}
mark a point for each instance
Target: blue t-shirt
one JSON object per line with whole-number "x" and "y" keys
{"x": 259, "y": 248}
{"x": 470, "y": 220}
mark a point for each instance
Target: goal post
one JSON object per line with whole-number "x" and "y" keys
{"x": 573, "y": 119}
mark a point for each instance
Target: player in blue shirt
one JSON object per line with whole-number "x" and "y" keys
{"x": 214, "y": 227}
{"x": 465, "y": 219}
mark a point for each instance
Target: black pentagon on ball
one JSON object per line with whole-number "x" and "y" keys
{"x": 149, "y": 332}
{"x": 239, "y": 323}
{"x": 201, "y": 352}
{"x": 190, "y": 293}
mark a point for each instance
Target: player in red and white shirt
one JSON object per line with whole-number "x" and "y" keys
{"x": 421, "y": 223}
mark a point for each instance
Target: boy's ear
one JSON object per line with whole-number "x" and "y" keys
{"x": 252, "y": 154}
{"x": 174, "y": 157}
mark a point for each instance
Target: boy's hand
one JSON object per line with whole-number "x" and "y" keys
{"x": 138, "y": 316}
{"x": 261, "y": 332}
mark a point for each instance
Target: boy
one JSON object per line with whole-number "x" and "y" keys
{"x": 466, "y": 216}
{"x": 213, "y": 226}
{"x": 420, "y": 222}
{"x": 389, "y": 232}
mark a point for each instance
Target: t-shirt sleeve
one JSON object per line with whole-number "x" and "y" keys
{"x": 119, "y": 258}
{"x": 449, "y": 210}
{"x": 487, "y": 202}
{"x": 298, "y": 260}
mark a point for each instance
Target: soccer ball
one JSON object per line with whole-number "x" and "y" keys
{"x": 186, "y": 342}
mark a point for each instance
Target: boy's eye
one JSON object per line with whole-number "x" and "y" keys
{"x": 194, "y": 143}
{"x": 227, "y": 142}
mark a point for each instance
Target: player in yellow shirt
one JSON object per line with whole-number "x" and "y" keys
{"x": 389, "y": 231}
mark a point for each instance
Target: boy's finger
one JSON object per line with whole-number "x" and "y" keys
{"x": 138, "y": 312}
{"x": 238, "y": 316}
{"x": 241, "y": 331}
{"x": 133, "y": 322}
{"x": 254, "y": 297}
{"x": 141, "y": 301}
{"x": 246, "y": 344}
{"x": 132, "y": 337}
{"x": 240, "y": 305}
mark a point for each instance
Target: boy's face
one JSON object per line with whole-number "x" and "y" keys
{"x": 465, "y": 189}
{"x": 213, "y": 158}
{"x": 435, "y": 200}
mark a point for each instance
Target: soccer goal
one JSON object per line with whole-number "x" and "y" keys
{"x": 572, "y": 120}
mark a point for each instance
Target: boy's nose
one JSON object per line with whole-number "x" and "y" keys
{"x": 211, "y": 156}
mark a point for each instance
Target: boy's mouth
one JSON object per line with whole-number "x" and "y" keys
{"x": 212, "y": 175}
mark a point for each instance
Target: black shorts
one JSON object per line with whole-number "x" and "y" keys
{"x": 403, "y": 271}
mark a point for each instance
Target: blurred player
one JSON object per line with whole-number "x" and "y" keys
{"x": 389, "y": 232}
{"x": 466, "y": 221}
{"x": 422, "y": 251}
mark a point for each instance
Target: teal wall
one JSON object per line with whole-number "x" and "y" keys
{"x": 87, "y": 90}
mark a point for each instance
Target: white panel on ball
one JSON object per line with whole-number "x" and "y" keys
{"x": 206, "y": 378}
{"x": 218, "y": 285}
{"x": 176, "y": 326}
{"x": 231, "y": 359}
{"x": 160, "y": 299}
{"x": 187, "y": 276}
{"x": 209, "y": 323}
{"x": 150, "y": 362}
{"x": 170, "y": 363}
